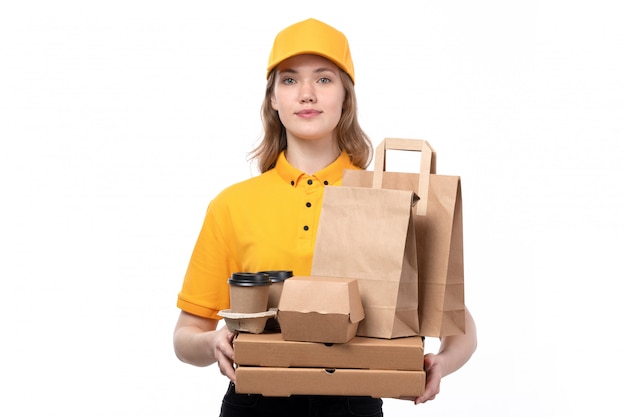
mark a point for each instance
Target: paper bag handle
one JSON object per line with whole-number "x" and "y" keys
{"x": 428, "y": 165}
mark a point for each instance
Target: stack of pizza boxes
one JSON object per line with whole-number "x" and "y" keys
{"x": 315, "y": 349}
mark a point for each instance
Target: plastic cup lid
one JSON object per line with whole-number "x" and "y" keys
{"x": 249, "y": 279}
{"x": 278, "y": 275}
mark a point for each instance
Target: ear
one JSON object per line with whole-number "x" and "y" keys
{"x": 273, "y": 102}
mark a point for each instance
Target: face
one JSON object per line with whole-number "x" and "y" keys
{"x": 308, "y": 96}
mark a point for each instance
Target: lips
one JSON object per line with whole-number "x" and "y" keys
{"x": 308, "y": 113}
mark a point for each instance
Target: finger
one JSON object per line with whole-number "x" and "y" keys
{"x": 224, "y": 345}
{"x": 422, "y": 399}
{"x": 226, "y": 367}
{"x": 428, "y": 362}
{"x": 225, "y": 356}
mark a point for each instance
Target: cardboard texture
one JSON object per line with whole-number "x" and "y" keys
{"x": 247, "y": 322}
{"x": 276, "y": 289}
{"x": 367, "y": 234}
{"x": 249, "y": 299}
{"x": 283, "y": 382}
{"x": 324, "y": 309}
{"x": 271, "y": 350}
{"x": 438, "y": 222}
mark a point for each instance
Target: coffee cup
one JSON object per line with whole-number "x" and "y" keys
{"x": 249, "y": 292}
{"x": 277, "y": 278}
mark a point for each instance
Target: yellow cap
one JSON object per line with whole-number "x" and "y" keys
{"x": 312, "y": 37}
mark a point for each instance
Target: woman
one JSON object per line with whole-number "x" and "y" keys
{"x": 269, "y": 222}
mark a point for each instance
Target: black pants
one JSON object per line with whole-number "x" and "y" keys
{"x": 248, "y": 405}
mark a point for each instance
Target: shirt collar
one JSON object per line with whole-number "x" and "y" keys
{"x": 329, "y": 175}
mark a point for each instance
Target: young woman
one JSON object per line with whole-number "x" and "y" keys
{"x": 269, "y": 222}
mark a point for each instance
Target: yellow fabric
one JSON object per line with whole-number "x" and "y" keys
{"x": 257, "y": 225}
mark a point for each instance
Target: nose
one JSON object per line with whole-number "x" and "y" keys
{"x": 307, "y": 93}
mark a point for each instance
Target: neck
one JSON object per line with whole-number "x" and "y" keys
{"x": 312, "y": 156}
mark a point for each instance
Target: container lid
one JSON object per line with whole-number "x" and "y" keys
{"x": 278, "y": 275}
{"x": 249, "y": 279}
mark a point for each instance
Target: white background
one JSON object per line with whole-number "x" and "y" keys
{"x": 120, "y": 120}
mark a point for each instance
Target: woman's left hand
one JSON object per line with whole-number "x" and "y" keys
{"x": 434, "y": 374}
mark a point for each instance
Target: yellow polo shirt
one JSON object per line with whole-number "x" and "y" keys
{"x": 267, "y": 222}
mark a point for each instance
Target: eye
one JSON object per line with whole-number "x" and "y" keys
{"x": 324, "y": 80}
{"x": 288, "y": 80}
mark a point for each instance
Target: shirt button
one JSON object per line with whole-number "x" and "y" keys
{"x": 308, "y": 204}
{"x": 310, "y": 182}
{"x": 325, "y": 182}
{"x": 292, "y": 182}
{"x": 306, "y": 227}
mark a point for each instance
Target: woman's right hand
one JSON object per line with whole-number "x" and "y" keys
{"x": 197, "y": 342}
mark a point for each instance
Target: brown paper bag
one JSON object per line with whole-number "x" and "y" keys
{"x": 438, "y": 220}
{"x": 368, "y": 234}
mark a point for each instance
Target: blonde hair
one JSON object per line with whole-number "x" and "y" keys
{"x": 350, "y": 137}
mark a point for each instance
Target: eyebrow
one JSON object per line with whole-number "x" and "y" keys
{"x": 316, "y": 71}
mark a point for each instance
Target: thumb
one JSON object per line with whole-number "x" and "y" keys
{"x": 429, "y": 361}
